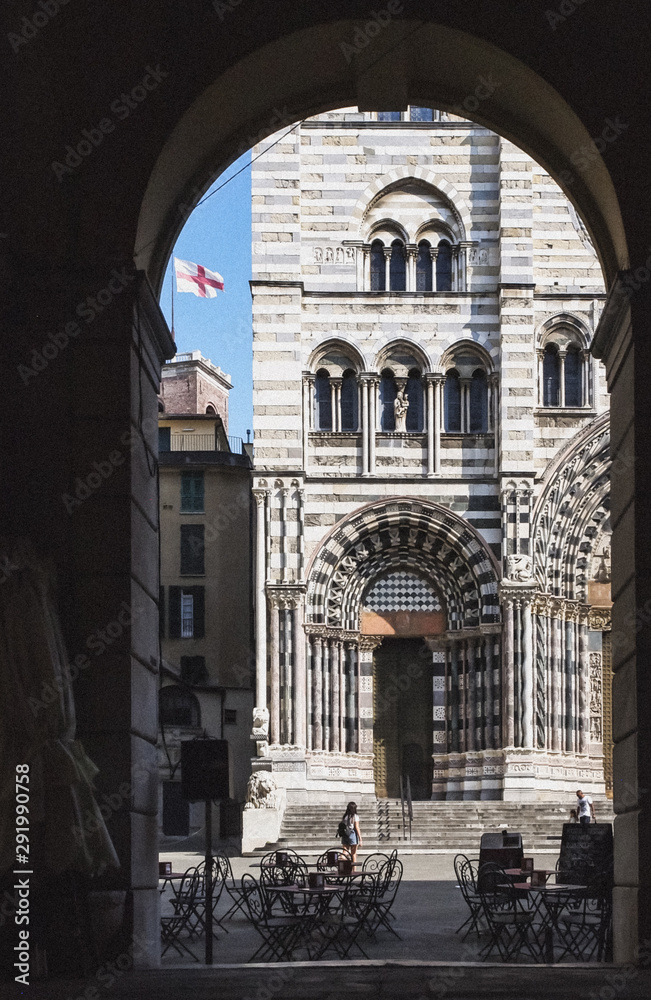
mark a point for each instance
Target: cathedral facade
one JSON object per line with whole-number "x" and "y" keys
{"x": 431, "y": 477}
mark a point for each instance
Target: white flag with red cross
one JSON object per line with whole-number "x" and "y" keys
{"x": 197, "y": 279}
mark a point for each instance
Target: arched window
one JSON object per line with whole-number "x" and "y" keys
{"x": 479, "y": 402}
{"x": 349, "y": 402}
{"x": 573, "y": 380}
{"x": 211, "y": 409}
{"x": 551, "y": 376}
{"x": 378, "y": 271}
{"x": 398, "y": 267}
{"x": 415, "y": 396}
{"x": 178, "y": 707}
{"x": 452, "y": 398}
{"x": 444, "y": 267}
{"x": 424, "y": 267}
{"x": 388, "y": 392}
{"x": 323, "y": 399}
{"x": 389, "y": 116}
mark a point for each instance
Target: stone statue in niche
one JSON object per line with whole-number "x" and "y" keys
{"x": 261, "y": 791}
{"x": 329, "y": 255}
{"x": 519, "y": 568}
{"x": 260, "y": 724}
{"x": 339, "y": 255}
{"x": 400, "y": 407}
{"x": 318, "y": 255}
{"x": 602, "y": 566}
{"x": 350, "y": 255}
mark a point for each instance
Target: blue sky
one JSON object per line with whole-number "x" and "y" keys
{"x": 218, "y": 235}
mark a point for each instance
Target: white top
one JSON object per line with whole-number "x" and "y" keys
{"x": 584, "y": 805}
{"x": 351, "y": 820}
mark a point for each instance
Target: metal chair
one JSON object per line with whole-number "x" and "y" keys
{"x": 509, "y": 922}
{"x": 340, "y": 926}
{"x": 280, "y": 935}
{"x": 466, "y": 871}
{"x": 233, "y": 890}
{"x": 585, "y": 925}
{"x": 374, "y": 862}
{"x": 383, "y": 897}
{"x": 172, "y": 926}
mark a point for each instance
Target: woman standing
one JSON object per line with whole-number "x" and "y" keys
{"x": 352, "y": 837}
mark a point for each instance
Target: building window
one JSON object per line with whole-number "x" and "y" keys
{"x": 378, "y": 269}
{"x": 349, "y": 416}
{"x": 388, "y": 393}
{"x": 193, "y": 670}
{"x": 452, "y": 394}
{"x": 398, "y": 267}
{"x": 478, "y": 402}
{"x": 389, "y": 116}
{"x": 424, "y": 267}
{"x": 414, "y": 395}
{"x": 192, "y": 492}
{"x": 444, "y": 267}
{"x": 192, "y": 550}
{"x": 421, "y": 114}
{"x": 323, "y": 398}
{"x": 164, "y": 439}
{"x": 211, "y": 409}
{"x": 178, "y": 707}
{"x": 230, "y": 716}
{"x": 573, "y": 381}
{"x": 187, "y": 616}
{"x": 551, "y": 376}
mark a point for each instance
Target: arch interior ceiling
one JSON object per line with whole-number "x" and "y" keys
{"x": 401, "y": 591}
{"x": 572, "y": 514}
{"x": 410, "y": 537}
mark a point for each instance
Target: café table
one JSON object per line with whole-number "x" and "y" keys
{"x": 547, "y": 902}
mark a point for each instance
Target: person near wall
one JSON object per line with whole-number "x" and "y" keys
{"x": 585, "y": 809}
{"x": 352, "y": 836}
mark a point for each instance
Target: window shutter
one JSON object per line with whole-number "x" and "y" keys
{"x": 164, "y": 439}
{"x": 161, "y": 612}
{"x": 199, "y": 611}
{"x": 192, "y": 492}
{"x": 192, "y": 549}
{"x": 175, "y": 612}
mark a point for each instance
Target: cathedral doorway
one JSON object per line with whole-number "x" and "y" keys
{"x": 402, "y": 718}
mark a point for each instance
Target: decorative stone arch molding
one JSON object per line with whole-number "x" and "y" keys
{"x": 462, "y": 347}
{"x": 333, "y": 352}
{"x": 570, "y": 515}
{"x": 391, "y": 348}
{"x": 411, "y": 534}
{"x": 577, "y": 329}
{"x": 393, "y": 178}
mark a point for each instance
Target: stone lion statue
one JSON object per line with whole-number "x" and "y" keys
{"x": 261, "y": 791}
{"x": 260, "y": 724}
{"x": 519, "y": 568}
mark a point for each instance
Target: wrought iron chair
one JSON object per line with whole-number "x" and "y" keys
{"x": 509, "y": 920}
{"x": 233, "y": 890}
{"x": 383, "y": 896}
{"x": 585, "y": 925}
{"x": 466, "y": 871}
{"x": 340, "y": 926}
{"x": 184, "y": 917}
{"x": 281, "y": 934}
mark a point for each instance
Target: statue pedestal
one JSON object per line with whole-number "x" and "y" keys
{"x": 262, "y": 826}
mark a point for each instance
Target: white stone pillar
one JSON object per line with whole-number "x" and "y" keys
{"x": 300, "y": 514}
{"x": 308, "y": 415}
{"x": 366, "y": 266}
{"x": 365, "y": 426}
{"x": 284, "y": 554}
{"x": 274, "y": 657}
{"x": 309, "y": 691}
{"x": 327, "y": 708}
{"x": 333, "y": 404}
{"x": 261, "y": 501}
{"x": 434, "y": 254}
{"x": 300, "y": 686}
{"x": 508, "y": 685}
{"x": 429, "y": 383}
{"x": 352, "y": 722}
{"x": 411, "y": 252}
{"x": 527, "y": 703}
{"x": 584, "y": 683}
{"x": 372, "y": 422}
{"x": 556, "y": 670}
{"x": 342, "y": 697}
{"x": 335, "y": 671}
{"x": 387, "y": 268}
{"x": 561, "y": 378}
{"x": 540, "y": 381}
{"x": 465, "y": 405}
{"x": 438, "y": 422}
{"x": 585, "y": 378}
{"x": 317, "y": 643}
{"x": 471, "y": 695}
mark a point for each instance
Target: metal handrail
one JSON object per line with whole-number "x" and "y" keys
{"x": 406, "y": 806}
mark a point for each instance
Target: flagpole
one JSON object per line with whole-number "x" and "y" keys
{"x": 173, "y": 280}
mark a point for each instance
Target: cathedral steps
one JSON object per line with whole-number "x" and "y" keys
{"x": 437, "y": 826}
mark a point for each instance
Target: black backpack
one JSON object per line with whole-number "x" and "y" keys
{"x": 342, "y": 830}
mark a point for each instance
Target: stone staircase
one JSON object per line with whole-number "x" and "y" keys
{"x": 440, "y": 827}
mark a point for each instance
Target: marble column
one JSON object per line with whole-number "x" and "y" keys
{"x": 335, "y": 390}
{"x": 286, "y": 684}
{"x": 366, "y": 250}
{"x": 372, "y": 423}
{"x": 561, "y": 377}
{"x": 351, "y": 696}
{"x": 569, "y": 678}
{"x": 464, "y": 384}
{"x": 261, "y": 500}
{"x": 508, "y": 685}
{"x": 317, "y": 671}
{"x": 387, "y": 268}
{"x": 335, "y": 652}
{"x": 308, "y": 414}
{"x": 489, "y": 707}
{"x": 429, "y": 384}
{"x": 584, "y": 683}
{"x": 309, "y": 692}
{"x": 540, "y": 355}
{"x": 342, "y": 697}
{"x": 327, "y": 716}
{"x": 453, "y": 656}
{"x": 274, "y": 657}
{"x": 411, "y": 253}
{"x": 284, "y": 555}
{"x": 527, "y": 676}
{"x": 471, "y": 696}
{"x": 556, "y": 626}
{"x": 365, "y": 425}
{"x": 300, "y": 685}
{"x": 438, "y": 421}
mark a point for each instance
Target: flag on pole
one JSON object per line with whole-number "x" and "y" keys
{"x": 197, "y": 279}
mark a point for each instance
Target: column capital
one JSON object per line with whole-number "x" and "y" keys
{"x": 287, "y": 597}
{"x": 387, "y": 251}
{"x": 261, "y": 496}
{"x": 434, "y": 377}
{"x": 370, "y": 642}
{"x": 600, "y": 619}
{"x": 309, "y": 376}
{"x": 336, "y": 380}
